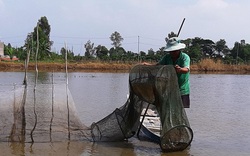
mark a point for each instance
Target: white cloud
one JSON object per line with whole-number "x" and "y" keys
{"x": 213, "y": 19}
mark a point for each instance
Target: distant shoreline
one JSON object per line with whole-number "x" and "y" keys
{"x": 57, "y": 66}
{"x": 205, "y": 66}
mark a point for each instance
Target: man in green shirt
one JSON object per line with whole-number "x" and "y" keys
{"x": 181, "y": 62}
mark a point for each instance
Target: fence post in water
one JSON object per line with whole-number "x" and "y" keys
{"x": 66, "y": 71}
{"x": 36, "y": 77}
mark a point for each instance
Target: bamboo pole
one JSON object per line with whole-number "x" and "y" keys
{"x": 36, "y": 77}
{"x": 67, "y": 82}
{"x": 26, "y": 65}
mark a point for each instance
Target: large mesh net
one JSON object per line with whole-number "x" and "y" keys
{"x": 156, "y": 85}
{"x": 47, "y": 113}
{"x": 41, "y": 113}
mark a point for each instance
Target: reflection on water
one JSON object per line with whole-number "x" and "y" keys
{"x": 40, "y": 113}
{"x": 55, "y": 149}
{"x": 79, "y": 148}
{"x": 219, "y": 115}
{"x": 98, "y": 94}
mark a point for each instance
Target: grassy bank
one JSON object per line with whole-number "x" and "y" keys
{"x": 207, "y": 65}
{"x": 217, "y": 66}
{"x": 57, "y": 66}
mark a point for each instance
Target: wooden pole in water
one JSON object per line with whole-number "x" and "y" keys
{"x": 26, "y": 65}
{"x": 37, "y": 48}
{"x": 67, "y": 82}
{"x": 52, "y": 107}
{"x": 36, "y": 77}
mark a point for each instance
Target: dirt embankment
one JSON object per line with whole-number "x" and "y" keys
{"x": 19, "y": 66}
{"x": 206, "y": 65}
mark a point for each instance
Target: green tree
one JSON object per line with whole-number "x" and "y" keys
{"x": 246, "y": 53}
{"x": 206, "y": 46}
{"x": 171, "y": 34}
{"x": 241, "y": 52}
{"x": 113, "y": 53}
{"x": 235, "y": 50}
{"x": 89, "y": 49}
{"x": 121, "y": 52}
{"x": 194, "y": 53}
{"x": 29, "y": 45}
{"x": 102, "y": 52}
{"x": 20, "y": 53}
{"x": 151, "y": 52}
{"x": 221, "y": 47}
{"x": 70, "y": 54}
{"x": 132, "y": 56}
{"x": 9, "y": 50}
{"x": 43, "y": 29}
{"x": 117, "y": 53}
{"x": 159, "y": 54}
{"x": 116, "y": 39}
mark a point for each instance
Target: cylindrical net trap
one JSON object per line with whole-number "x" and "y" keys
{"x": 159, "y": 86}
{"x": 177, "y": 138}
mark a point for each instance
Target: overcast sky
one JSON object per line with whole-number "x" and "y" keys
{"x": 74, "y": 22}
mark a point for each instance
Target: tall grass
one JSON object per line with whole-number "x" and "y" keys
{"x": 217, "y": 65}
{"x": 204, "y": 65}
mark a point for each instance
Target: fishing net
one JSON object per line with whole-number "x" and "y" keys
{"x": 156, "y": 85}
{"x": 47, "y": 113}
{"x": 41, "y": 113}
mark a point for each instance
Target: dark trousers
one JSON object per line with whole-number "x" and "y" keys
{"x": 185, "y": 101}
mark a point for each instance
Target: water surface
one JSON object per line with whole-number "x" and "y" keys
{"x": 219, "y": 114}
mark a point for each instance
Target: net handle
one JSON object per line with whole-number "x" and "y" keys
{"x": 180, "y": 27}
{"x": 143, "y": 117}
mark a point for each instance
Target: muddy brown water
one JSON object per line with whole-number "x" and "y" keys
{"x": 219, "y": 115}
